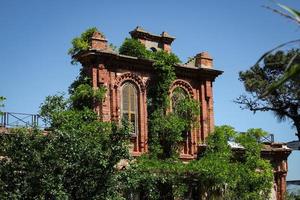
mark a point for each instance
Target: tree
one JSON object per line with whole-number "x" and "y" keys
{"x": 51, "y": 105}
{"x": 76, "y": 160}
{"x": 81, "y": 43}
{"x": 283, "y": 101}
{"x": 293, "y": 68}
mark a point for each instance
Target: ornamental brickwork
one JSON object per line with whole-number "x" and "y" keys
{"x": 112, "y": 70}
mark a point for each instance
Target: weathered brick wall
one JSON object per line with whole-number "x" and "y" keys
{"x": 112, "y": 76}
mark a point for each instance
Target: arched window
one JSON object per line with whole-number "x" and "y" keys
{"x": 129, "y": 108}
{"x": 178, "y": 94}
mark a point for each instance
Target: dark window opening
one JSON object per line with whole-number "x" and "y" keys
{"x": 129, "y": 109}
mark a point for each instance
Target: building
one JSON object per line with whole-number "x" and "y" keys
{"x": 127, "y": 78}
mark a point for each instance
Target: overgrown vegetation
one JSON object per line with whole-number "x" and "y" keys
{"x": 81, "y": 43}
{"x": 161, "y": 175}
{"x": 74, "y": 161}
{"x": 218, "y": 174}
{"x": 77, "y": 159}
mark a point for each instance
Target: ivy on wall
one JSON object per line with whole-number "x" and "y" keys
{"x": 78, "y": 158}
{"x": 160, "y": 174}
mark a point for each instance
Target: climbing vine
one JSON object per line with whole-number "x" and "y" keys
{"x": 166, "y": 128}
{"x": 160, "y": 174}
{"x": 82, "y": 94}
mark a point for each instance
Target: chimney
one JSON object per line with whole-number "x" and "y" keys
{"x": 98, "y": 41}
{"x": 151, "y": 41}
{"x": 166, "y": 41}
{"x": 204, "y": 60}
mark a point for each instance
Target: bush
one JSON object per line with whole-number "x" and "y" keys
{"x": 75, "y": 161}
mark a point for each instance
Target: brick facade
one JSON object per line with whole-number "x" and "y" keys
{"x": 196, "y": 77}
{"x": 112, "y": 70}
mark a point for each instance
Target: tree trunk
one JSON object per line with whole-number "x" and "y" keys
{"x": 297, "y": 125}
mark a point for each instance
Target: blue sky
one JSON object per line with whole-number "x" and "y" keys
{"x": 35, "y": 37}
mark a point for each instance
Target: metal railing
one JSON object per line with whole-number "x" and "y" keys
{"x": 267, "y": 139}
{"x": 19, "y": 120}
{"x": 264, "y": 139}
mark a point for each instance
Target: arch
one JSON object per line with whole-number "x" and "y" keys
{"x": 184, "y": 85}
{"x": 177, "y": 95}
{"x": 181, "y": 89}
{"x": 129, "y": 104}
{"x": 130, "y": 77}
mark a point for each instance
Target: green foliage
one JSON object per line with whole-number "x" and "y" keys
{"x": 165, "y": 129}
{"x": 255, "y": 174}
{"x": 166, "y": 134}
{"x": 161, "y": 175}
{"x": 113, "y": 47}
{"x": 292, "y": 68}
{"x": 51, "y": 105}
{"x": 2, "y": 99}
{"x": 218, "y": 174}
{"x": 83, "y": 78}
{"x": 284, "y": 101}
{"x": 86, "y": 96}
{"x": 165, "y": 72}
{"x": 188, "y": 110}
{"x": 132, "y": 47}
{"x": 75, "y": 161}
{"x": 294, "y": 195}
{"x": 81, "y": 43}
{"x": 83, "y": 97}
{"x": 168, "y": 130}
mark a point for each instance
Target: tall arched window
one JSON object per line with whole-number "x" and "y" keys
{"x": 129, "y": 108}
{"x": 178, "y": 94}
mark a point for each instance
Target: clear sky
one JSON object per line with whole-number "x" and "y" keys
{"x": 35, "y": 36}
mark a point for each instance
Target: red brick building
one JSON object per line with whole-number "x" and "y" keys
{"x": 127, "y": 78}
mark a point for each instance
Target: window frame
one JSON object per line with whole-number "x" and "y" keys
{"x": 134, "y": 89}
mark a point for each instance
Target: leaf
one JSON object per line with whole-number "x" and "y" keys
{"x": 277, "y": 47}
{"x": 292, "y": 11}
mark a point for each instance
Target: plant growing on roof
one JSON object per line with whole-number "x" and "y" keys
{"x": 81, "y": 43}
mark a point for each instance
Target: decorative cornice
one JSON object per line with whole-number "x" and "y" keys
{"x": 184, "y": 85}
{"x": 130, "y": 77}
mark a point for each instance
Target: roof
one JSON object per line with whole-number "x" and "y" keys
{"x": 189, "y": 69}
